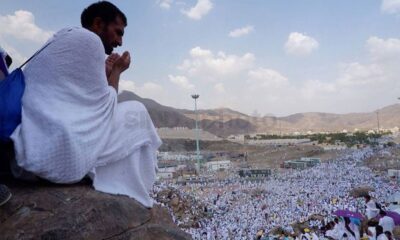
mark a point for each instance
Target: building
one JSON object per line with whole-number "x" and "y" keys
{"x": 181, "y": 157}
{"x": 255, "y": 173}
{"x": 295, "y": 164}
{"x": 165, "y": 175}
{"x": 394, "y": 173}
{"x": 218, "y": 165}
{"x": 185, "y": 133}
{"x": 302, "y": 163}
{"x": 310, "y": 162}
{"x": 167, "y": 167}
{"x": 167, "y": 170}
{"x": 277, "y": 142}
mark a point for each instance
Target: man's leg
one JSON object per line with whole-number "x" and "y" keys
{"x": 127, "y": 165}
{"x": 133, "y": 176}
{"x": 6, "y": 156}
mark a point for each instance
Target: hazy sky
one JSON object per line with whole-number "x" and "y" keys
{"x": 269, "y": 56}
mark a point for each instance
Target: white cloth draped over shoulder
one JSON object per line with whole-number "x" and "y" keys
{"x": 72, "y": 124}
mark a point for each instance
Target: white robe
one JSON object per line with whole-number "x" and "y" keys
{"x": 72, "y": 124}
{"x": 387, "y": 224}
{"x": 371, "y": 210}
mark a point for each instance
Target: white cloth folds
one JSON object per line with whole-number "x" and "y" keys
{"x": 72, "y": 124}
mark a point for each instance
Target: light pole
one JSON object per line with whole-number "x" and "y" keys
{"x": 195, "y": 97}
{"x": 377, "y": 118}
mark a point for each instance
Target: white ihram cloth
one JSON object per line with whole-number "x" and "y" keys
{"x": 387, "y": 224}
{"x": 73, "y": 125}
{"x": 371, "y": 210}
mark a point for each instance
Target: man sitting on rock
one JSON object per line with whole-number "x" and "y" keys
{"x": 72, "y": 125}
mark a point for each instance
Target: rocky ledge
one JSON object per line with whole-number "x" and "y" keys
{"x": 48, "y": 211}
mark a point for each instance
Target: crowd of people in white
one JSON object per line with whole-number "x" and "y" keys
{"x": 251, "y": 209}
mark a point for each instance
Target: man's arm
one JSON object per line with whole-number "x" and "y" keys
{"x": 120, "y": 65}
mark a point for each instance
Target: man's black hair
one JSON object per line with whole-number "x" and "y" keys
{"x": 336, "y": 220}
{"x": 107, "y": 11}
{"x": 379, "y": 230}
{"x": 8, "y": 60}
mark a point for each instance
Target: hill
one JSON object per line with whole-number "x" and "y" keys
{"x": 224, "y": 121}
{"x": 164, "y": 116}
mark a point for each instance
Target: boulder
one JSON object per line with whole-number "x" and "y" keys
{"x": 278, "y": 231}
{"x": 316, "y": 217}
{"x": 299, "y": 226}
{"x": 175, "y": 202}
{"x": 186, "y": 209}
{"x": 48, "y": 211}
{"x": 361, "y": 191}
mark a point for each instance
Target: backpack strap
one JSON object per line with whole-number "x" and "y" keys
{"x": 35, "y": 54}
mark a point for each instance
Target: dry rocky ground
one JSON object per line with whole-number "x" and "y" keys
{"x": 50, "y": 211}
{"x": 186, "y": 210}
{"x": 258, "y": 156}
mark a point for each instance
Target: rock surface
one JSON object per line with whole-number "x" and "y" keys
{"x": 48, "y": 211}
{"x": 361, "y": 191}
{"x": 186, "y": 209}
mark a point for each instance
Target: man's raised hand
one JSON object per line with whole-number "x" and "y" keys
{"x": 118, "y": 64}
{"x": 122, "y": 63}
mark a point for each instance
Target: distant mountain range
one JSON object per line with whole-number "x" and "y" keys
{"x": 224, "y": 121}
{"x": 164, "y": 116}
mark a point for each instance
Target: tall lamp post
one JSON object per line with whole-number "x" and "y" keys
{"x": 377, "y": 119}
{"x": 195, "y": 97}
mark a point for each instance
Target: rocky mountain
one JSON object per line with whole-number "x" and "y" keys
{"x": 161, "y": 115}
{"x": 164, "y": 116}
{"x": 219, "y": 114}
{"x": 230, "y": 127}
{"x": 388, "y": 117}
{"x": 49, "y": 211}
{"x": 224, "y": 121}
